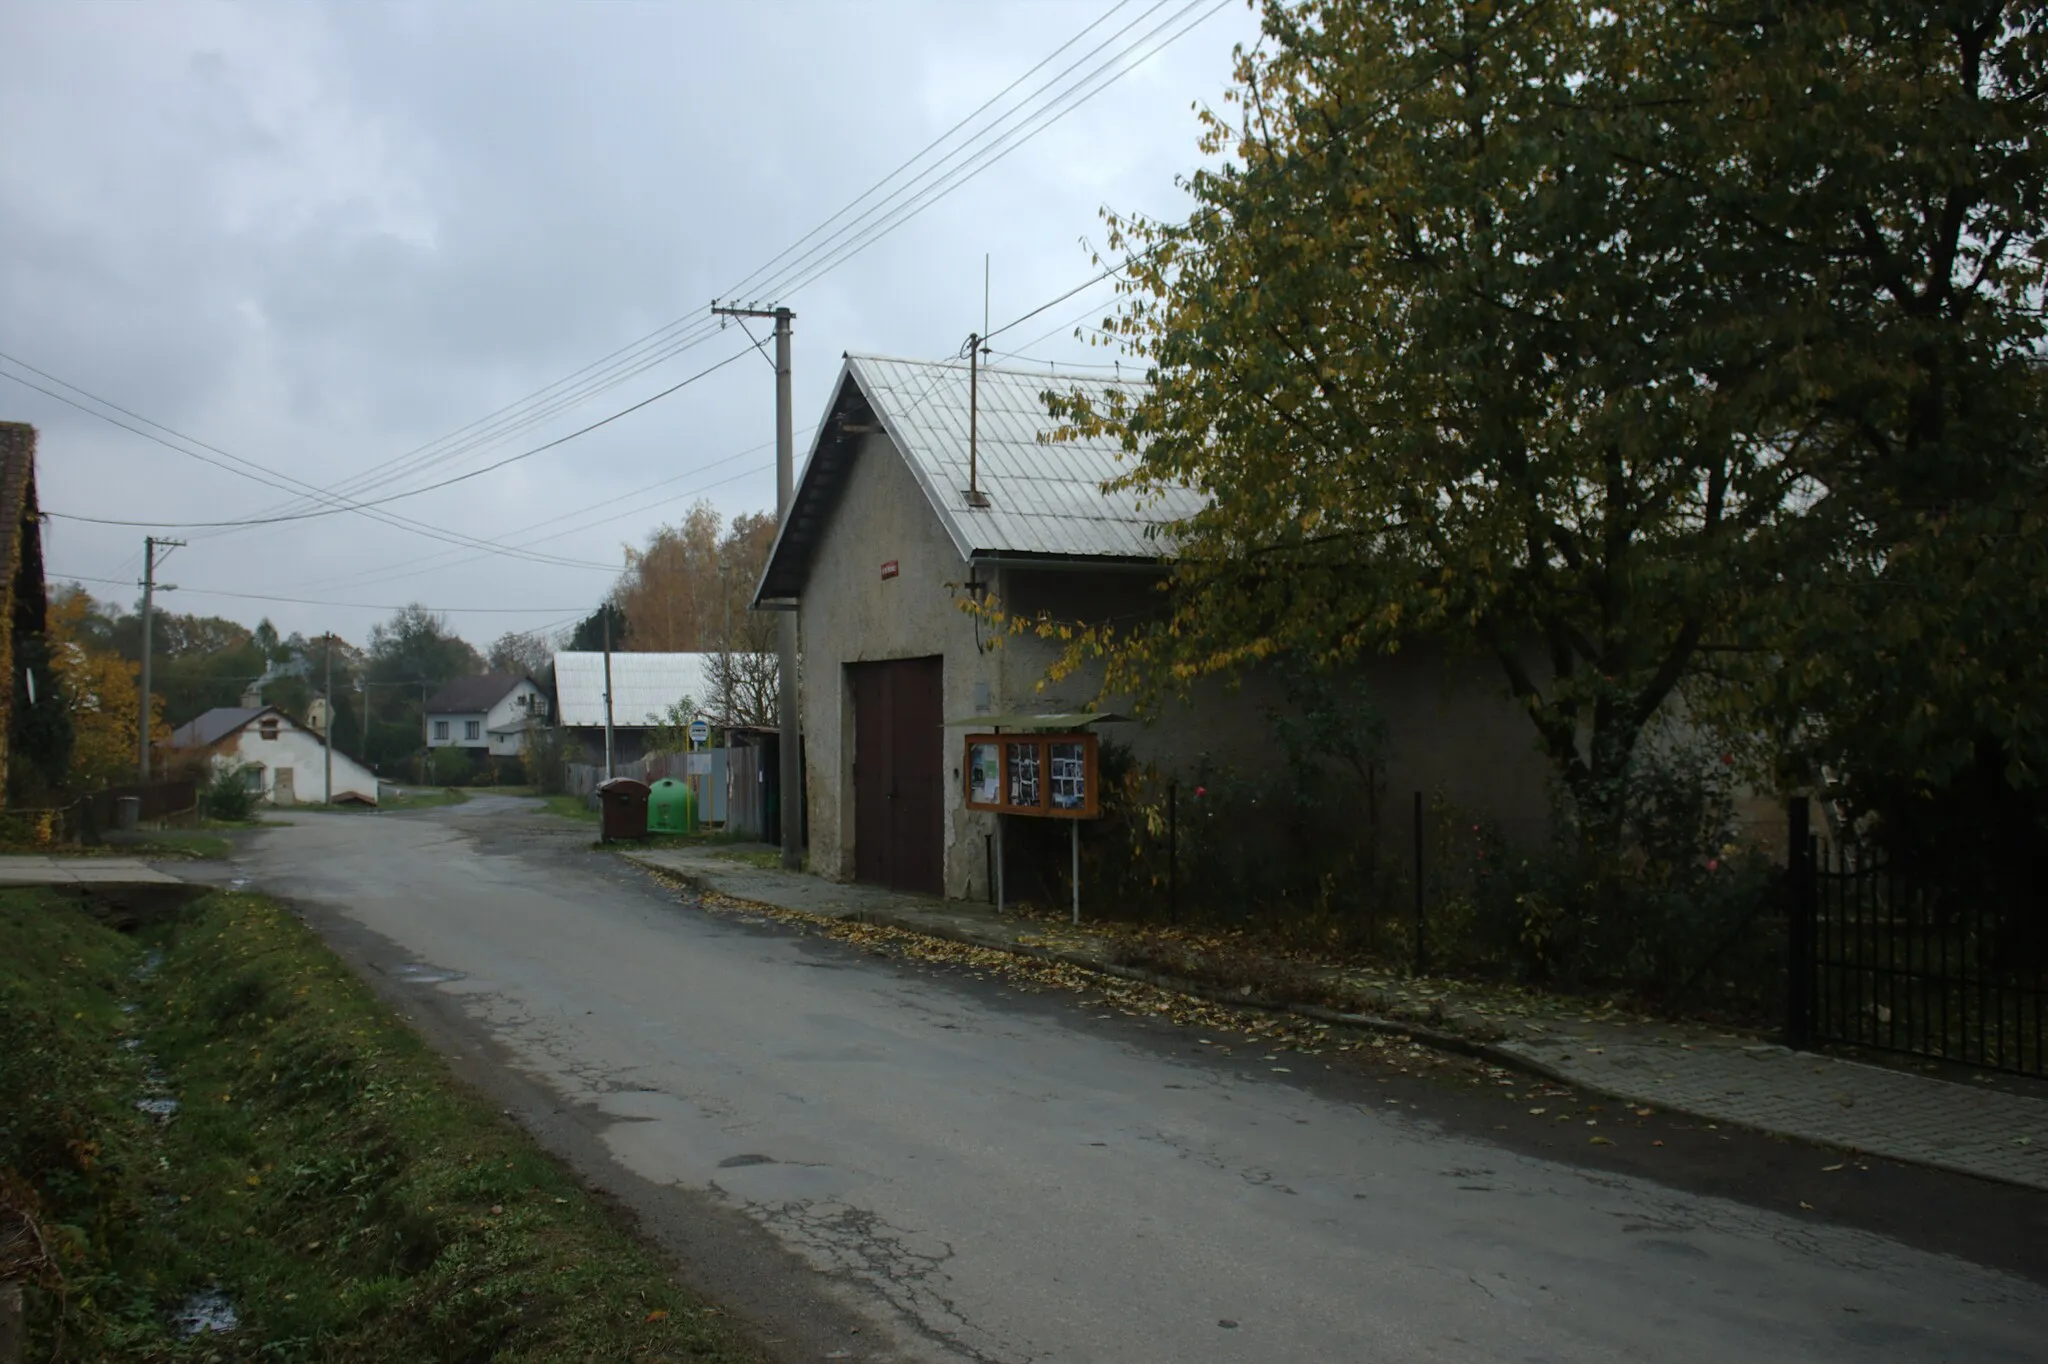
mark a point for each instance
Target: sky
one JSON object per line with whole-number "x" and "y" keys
{"x": 325, "y": 243}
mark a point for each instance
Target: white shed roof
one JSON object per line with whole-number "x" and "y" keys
{"x": 1045, "y": 500}
{"x": 644, "y": 686}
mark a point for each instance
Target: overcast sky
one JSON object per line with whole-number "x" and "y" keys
{"x": 322, "y": 237}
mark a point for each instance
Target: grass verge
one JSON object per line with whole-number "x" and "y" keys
{"x": 571, "y": 807}
{"x": 318, "y": 1167}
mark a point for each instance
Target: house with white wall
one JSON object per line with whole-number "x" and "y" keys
{"x": 283, "y": 762}
{"x": 487, "y": 715}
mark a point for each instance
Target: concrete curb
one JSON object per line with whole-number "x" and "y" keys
{"x": 1433, "y": 1038}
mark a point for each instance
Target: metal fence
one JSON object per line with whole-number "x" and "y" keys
{"x": 1940, "y": 967}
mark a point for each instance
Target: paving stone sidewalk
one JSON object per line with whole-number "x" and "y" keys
{"x": 35, "y": 870}
{"x": 1712, "y": 1074}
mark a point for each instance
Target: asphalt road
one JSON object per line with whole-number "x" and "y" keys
{"x": 873, "y": 1162}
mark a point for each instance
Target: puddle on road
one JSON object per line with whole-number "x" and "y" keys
{"x": 420, "y": 973}
{"x": 207, "y": 1313}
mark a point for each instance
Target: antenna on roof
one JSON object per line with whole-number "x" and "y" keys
{"x": 975, "y": 350}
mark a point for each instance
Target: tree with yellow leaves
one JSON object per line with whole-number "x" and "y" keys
{"x": 100, "y": 690}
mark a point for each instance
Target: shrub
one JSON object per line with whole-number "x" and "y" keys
{"x": 226, "y": 794}
{"x": 447, "y": 766}
{"x": 1683, "y": 914}
{"x": 543, "y": 758}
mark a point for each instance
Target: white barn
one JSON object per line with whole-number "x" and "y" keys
{"x": 283, "y": 762}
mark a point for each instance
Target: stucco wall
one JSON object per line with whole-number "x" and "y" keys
{"x": 1452, "y": 729}
{"x": 505, "y": 726}
{"x": 1454, "y": 732}
{"x": 851, "y": 614}
{"x": 456, "y": 720}
{"x": 302, "y": 752}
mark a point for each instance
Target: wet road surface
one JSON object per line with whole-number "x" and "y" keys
{"x": 877, "y": 1163}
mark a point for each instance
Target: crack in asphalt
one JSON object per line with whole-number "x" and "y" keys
{"x": 861, "y": 1248}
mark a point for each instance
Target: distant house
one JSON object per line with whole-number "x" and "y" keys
{"x": 644, "y": 686}
{"x": 283, "y": 762}
{"x": 30, "y": 710}
{"x": 488, "y": 715}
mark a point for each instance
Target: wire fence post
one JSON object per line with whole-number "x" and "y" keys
{"x": 1802, "y": 905}
{"x": 1173, "y": 851}
{"x": 1421, "y": 898}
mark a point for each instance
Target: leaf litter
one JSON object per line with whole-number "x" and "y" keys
{"x": 1274, "y": 1033}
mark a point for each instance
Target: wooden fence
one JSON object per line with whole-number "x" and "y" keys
{"x": 732, "y": 793}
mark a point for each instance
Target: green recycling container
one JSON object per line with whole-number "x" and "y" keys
{"x": 671, "y": 807}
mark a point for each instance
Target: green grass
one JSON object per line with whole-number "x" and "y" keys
{"x": 183, "y": 843}
{"x": 571, "y": 807}
{"x": 324, "y": 1170}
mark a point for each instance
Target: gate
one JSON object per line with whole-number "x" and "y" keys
{"x": 898, "y": 774}
{"x": 1928, "y": 966}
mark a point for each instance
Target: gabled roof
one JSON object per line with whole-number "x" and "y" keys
{"x": 466, "y": 695}
{"x": 644, "y": 686}
{"x": 1045, "y": 500}
{"x": 218, "y": 723}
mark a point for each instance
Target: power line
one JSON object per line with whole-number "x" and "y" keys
{"x": 350, "y": 605}
{"x": 741, "y": 287}
{"x": 394, "y": 497}
{"x": 388, "y": 518}
{"x": 366, "y": 580}
{"x": 668, "y": 341}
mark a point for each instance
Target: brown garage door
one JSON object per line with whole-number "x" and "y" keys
{"x": 898, "y": 774}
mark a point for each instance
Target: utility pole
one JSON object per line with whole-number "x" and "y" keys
{"x": 150, "y": 545}
{"x": 327, "y": 725}
{"x": 725, "y": 651}
{"x": 790, "y": 775}
{"x": 606, "y": 612}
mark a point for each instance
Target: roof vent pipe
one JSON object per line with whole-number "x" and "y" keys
{"x": 975, "y": 496}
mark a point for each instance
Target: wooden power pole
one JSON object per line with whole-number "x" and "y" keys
{"x": 790, "y": 773}
{"x": 150, "y": 545}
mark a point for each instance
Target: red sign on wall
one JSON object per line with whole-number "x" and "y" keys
{"x": 889, "y": 568}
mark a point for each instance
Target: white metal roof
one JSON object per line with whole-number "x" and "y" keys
{"x": 644, "y": 686}
{"x": 1044, "y": 499}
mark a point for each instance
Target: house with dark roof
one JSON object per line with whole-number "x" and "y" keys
{"x": 283, "y": 762}
{"x": 928, "y": 490}
{"x": 34, "y": 729}
{"x": 487, "y": 715}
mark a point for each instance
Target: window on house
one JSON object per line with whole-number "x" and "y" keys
{"x": 252, "y": 779}
{"x": 268, "y": 729}
{"x": 472, "y": 729}
{"x": 440, "y": 729}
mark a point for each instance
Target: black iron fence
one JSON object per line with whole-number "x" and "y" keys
{"x": 1943, "y": 966}
{"x": 161, "y": 802}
